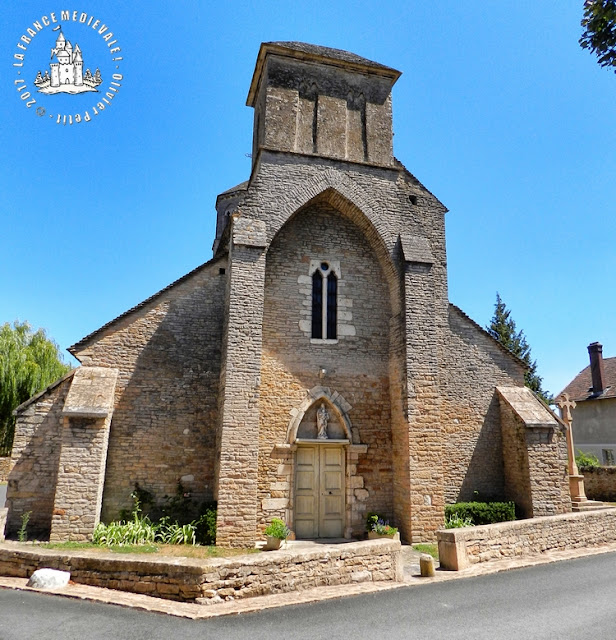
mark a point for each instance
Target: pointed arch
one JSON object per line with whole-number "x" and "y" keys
{"x": 354, "y": 203}
{"x": 318, "y": 394}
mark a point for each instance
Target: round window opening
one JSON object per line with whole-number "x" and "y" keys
{"x": 324, "y": 266}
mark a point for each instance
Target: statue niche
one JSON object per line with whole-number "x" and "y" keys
{"x": 321, "y": 422}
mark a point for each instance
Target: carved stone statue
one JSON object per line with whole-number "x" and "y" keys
{"x": 322, "y": 420}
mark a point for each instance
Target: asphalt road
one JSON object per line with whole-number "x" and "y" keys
{"x": 575, "y": 600}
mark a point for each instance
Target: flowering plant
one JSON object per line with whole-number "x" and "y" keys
{"x": 380, "y": 526}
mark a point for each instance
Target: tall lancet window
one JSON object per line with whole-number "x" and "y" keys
{"x": 324, "y": 303}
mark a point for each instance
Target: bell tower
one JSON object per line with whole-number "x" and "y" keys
{"x": 319, "y": 101}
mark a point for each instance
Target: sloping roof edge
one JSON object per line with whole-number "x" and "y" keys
{"x": 40, "y": 394}
{"x": 400, "y": 165}
{"x": 501, "y": 347}
{"x": 84, "y": 341}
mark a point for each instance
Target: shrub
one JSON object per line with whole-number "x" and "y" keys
{"x": 22, "y": 535}
{"x": 177, "y": 519}
{"x": 481, "y": 512}
{"x": 277, "y": 529}
{"x": 139, "y": 530}
{"x": 206, "y": 524}
{"x": 586, "y": 460}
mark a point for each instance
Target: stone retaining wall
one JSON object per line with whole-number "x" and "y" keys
{"x": 460, "y": 548}
{"x": 600, "y": 483}
{"x": 5, "y": 465}
{"x": 218, "y": 579}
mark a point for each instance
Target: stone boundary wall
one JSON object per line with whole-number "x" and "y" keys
{"x": 218, "y": 579}
{"x": 5, "y": 465}
{"x": 600, "y": 483}
{"x": 460, "y": 548}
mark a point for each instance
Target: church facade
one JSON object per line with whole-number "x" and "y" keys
{"x": 313, "y": 369}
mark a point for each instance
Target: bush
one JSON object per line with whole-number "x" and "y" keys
{"x": 586, "y": 460}
{"x": 277, "y": 529}
{"x": 481, "y": 512}
{"x": 179, "y": 520}
{"x": 206, "y": 524}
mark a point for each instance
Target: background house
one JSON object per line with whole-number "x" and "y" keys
{"x": 594, "y": 417}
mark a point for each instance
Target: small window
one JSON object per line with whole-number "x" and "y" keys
{"x": 608, "y": 457}
{"x": 324, "y": 303}
{"x": 317, "y": 305}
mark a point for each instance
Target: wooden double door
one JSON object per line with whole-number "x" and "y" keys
{"x": 319, "y": 491}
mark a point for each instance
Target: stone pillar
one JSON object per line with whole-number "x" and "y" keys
{"x": 420, "y": 463}
{"x": 3, "y": 516}
{"x": 81, "y": 472}
{"x": 238, "y": 438}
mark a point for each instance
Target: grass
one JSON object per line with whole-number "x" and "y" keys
{"x": 432, "y": 549}
{"x": 160, "y": 550}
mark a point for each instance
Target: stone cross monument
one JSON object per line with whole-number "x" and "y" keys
{"x": 576, "y": 481}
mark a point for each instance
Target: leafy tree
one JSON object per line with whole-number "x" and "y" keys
{"x": 599, "y": 22}
{"x": 503, "y": 328}
{"x": 29, "y": 362}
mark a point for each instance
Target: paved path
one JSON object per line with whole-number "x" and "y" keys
{"x": 571, "y": 600}
{"x": 250, "y": 605}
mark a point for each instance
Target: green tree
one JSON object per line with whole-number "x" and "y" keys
{"x": 599, "y": 22}
{"x": 502, "y": 327}
{"x": 29, "y": 362}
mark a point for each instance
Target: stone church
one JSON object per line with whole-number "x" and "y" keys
{"x": 313, "y": 369}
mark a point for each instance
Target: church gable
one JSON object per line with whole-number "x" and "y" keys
{"x": 314, "y": 370}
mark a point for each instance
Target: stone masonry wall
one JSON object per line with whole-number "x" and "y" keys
{"x": 600, "y": 483}
{"x": 35, "y": 457}
{"x": 164, "y": 423}
{"x": 217, "y": 579}
{"x": 460, "y": 548}
{"x": 5, "y": 466}
{"x": 356, "y": 365}
{"x": 473, "y": 366}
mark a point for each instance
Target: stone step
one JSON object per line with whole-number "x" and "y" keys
{"x": 586, "y": 505}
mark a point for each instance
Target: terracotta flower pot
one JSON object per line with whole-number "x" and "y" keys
{"x": 272, "y": 544}
{"x": 373, "y": 535}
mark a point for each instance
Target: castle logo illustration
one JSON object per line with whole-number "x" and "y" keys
{"x": 65, "y": 73}
{"x": 83, "y": 77}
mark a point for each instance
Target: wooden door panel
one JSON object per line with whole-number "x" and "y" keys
{"x": 319, "y": 492}
{"x": 331, "y": 476}
{"x": 307, "y": 492}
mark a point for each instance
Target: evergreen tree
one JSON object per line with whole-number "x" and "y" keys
{"x": 502, "y": 327}
{"x": 29, "y": 362}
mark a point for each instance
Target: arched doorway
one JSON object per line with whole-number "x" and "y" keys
{"x": 321, "y": 433}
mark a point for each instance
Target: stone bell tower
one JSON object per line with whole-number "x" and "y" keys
{"x": 314, "y": 100}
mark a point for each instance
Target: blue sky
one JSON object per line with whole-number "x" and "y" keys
{"x": 498, "y": 112}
